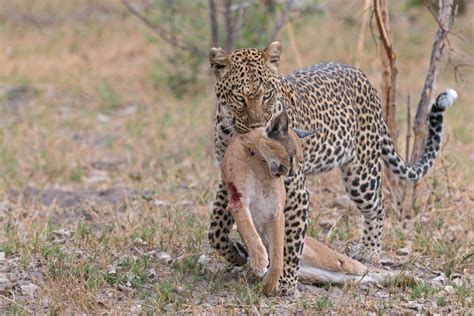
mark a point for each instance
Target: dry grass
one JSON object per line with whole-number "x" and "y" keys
{"x": 102, "y": 172}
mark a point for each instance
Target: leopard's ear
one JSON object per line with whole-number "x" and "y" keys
{"x": 272, "y": 56}
{"x": 278, "y": 126}
{"x": 220, "y": 61}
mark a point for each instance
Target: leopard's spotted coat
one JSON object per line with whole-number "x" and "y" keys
{"x": 341, "y": 101}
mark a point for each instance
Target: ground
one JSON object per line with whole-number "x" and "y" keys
{"x": 106, "y": 178}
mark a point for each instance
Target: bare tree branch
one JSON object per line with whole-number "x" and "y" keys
{"x": 429, "y": 87}
{"x": 214, "y": 25}
{"x": 238, "y": 20}
{"x": 363, "y": 30}
{"x": 163, "y": 33}
{"x": 388, "y": 60}
{"x": 281, "y": 21}
{"x": 229, "y": 25}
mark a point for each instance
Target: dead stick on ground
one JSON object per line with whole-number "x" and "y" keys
{"x": 16, "y": 304}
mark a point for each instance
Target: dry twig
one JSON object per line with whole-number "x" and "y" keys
{"x": 163, "y": 33}
{"x": 282, "y": 20}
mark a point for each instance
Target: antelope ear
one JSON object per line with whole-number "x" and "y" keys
{"x": 279, "y": 126}
{"x": 272, "y": 56}
{"x": 219, "y": 61}
{"x": 304, "y": 133}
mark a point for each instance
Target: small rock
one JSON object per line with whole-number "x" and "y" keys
{"x": 449, "y": 289}
{"x": 439, "y": 280}
{"x": 5, "y": 206}
{"x": 4, "y": 278}
{"x": 254, "y": 311}
{"x": 382, "y": 294}
{"x": 103, "y": 118}
{"x": 62, "y": 232}
{"x": 151, "y": 273}
{"x": 112, "y": 270}
{"x": 161, "y": 203}
{"x": 2, "y": 256}
{"x": 386, "y": 259}
{"x": 203, "y": 260}
{"x": 342, "y": 202}
{"x": 137, "y": 309}
{"x": 457, "y": 282}
{"x": 179, "y": 289}
{"x": 414, "y": 305}
{"x": 405, "y": 250}
{"x": 28, "y": 289}
{"x": 126, "y": 110}
{"x": 164, "y": 258}
{"x": 185, "y": 203}
{"x": 237, "y": 269}
{"x": 97, "y": 176}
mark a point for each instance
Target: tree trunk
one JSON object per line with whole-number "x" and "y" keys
{"x": 389, "y": 93}
{"x": 420, "y": 128}
{"x": 229, "y": 26}
{"x": 213, "y": 23}
{"x": 389, "y": 68}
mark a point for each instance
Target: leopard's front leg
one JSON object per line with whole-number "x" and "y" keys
{"x": 296, "y": 209}
{"x": 219, "y": 230}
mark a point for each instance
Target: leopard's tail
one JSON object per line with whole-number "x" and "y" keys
{"x": 435, "y": 127}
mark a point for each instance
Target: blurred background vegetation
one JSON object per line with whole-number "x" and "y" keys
{"x": 106, "y": 148}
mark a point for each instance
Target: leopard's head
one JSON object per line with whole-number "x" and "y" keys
{"x": 247, "y": 85}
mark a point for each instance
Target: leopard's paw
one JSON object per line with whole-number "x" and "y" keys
{"x": 364, "y": 254}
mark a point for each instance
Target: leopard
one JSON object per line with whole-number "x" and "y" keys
{"x": 341, "y": 101}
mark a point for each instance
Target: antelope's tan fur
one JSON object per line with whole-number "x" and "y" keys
{"x": 257, "y": 199}
{"x": 253, "y": 171}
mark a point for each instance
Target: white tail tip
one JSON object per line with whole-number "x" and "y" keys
{"x": 451, "y": 94}
{"x": 447, "y": 98}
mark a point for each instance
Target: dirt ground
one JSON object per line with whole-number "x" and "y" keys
{"x": 106, "y": 178}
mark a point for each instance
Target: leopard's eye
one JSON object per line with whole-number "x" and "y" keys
{"x": 268, "y": 95}
{"x": 239, "y": 98}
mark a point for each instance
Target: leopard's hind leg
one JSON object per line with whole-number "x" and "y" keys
{"x": 363, "y": 183}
